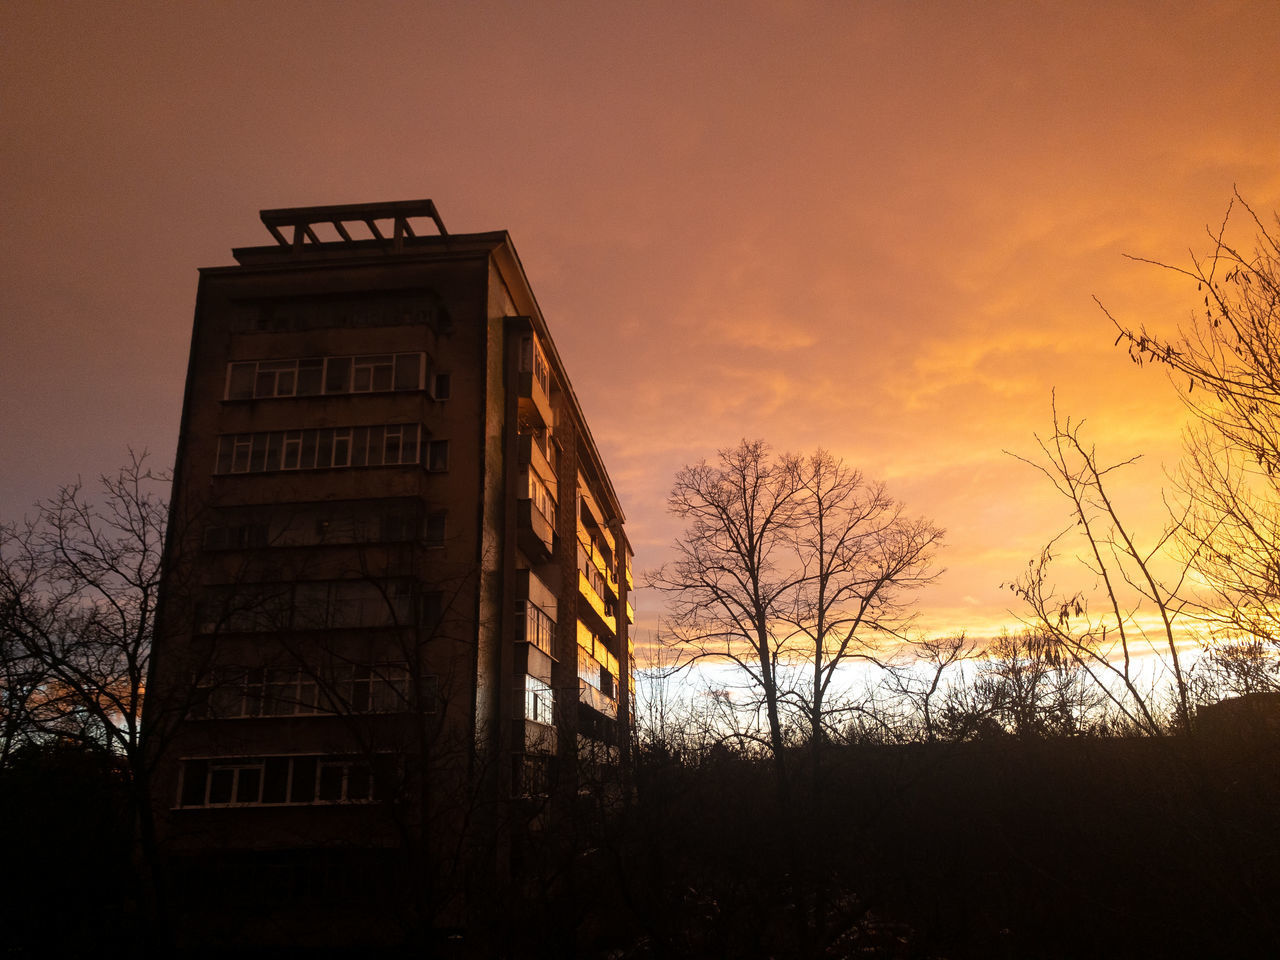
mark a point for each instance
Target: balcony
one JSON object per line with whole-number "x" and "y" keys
{"x": 531, "y": 737}
{"x": 534, "y": 532}
{"x": 596, "y": 700}
{"x": 531, "y": 453}
{"x": 533, "y": 383}
{"x": 607, "y": 536}
{"x": 596, "y": 603}
{"x": 533, "y": 661}
{"x": 590, "y": 552}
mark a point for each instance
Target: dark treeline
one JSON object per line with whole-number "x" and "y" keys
{"x": 999, "y": 846}
{"x": 1055, "y": 847}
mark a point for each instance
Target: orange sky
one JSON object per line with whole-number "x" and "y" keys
{"x": 871, "y": 226}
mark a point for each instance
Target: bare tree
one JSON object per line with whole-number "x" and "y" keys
{"x": 789, "y": 568}
{"x": 918, "y": 674}
{"x": 1229, "y": 359}
{"x": 1034, "y": 688}
{"x": 78, "y": 588}
{"x": 859, "y": 556}
{"x": 26, "y": 693}
{"x": 78, "y": 592}
{"x": 1106, "y": 643}
{"x": 731, "y": 571}
{"x": 1237, "y": 668}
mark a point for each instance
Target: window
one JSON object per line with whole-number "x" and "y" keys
{"x": 310, "y": 377}
{"x": 591, "y": 573}
{"x": 375, "y": 688}
{"x": 288, "y": 691}
{"x": 373, "y": 374}
{"x": 431, "y": 610}
{"x": 341, "y": 781}
{"x": 541, "y": 438}
{"x": 240, "y": 380}
{"x": 435, "y": 533}
{"x": 258, "y": 379}
{"x": 440, "y": 386}
{"x": 234, "y": 783}
{"x": 361, "y": 603}
{"x": 250, "y": 608}
{"x": 276, "y": 378}
{"x": 532, "y": 775}
{"x": 429, "y": 694}
{"x": 395, "y": 444}
{"x": 398, "y": 526}
{"x": 533, "y": 360}
{"x": 539, "y": 701}
{"x": 408, "y": 371}
{"x": 541, "y": 497}
{"x": 238, "y": 692}
{"x": 589, "y": 668}
{"x": 538, "y": 627}
{"x": 438, "y": 456}
{"x": 236, "y": 536}
{"x": 337, "y": 375}
{"x": 400, "y": 444}
{"x": 264, "y": 781}
{"x": 307, "y": 605}
{"x": 298, "y": 525}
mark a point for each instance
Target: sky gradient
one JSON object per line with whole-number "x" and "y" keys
{"x": 877, "y": 228}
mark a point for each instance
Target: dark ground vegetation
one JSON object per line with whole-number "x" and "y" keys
{"x": 1071, "y": 847}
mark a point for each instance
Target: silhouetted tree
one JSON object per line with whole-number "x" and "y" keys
{"x": 918, "y": 676}
{"x": 78, "y": 588}
{"x": 67, "y": 845}
{"x": 731, "y": 572}
{"x": 1105, "y": 642}
{"x": 1032, "y": 687}
{"x": 788, "y": 568}
{"x": 1235, "y": 669}
{"x": 859, "y": 557}
{"x": 1229, "y": 360}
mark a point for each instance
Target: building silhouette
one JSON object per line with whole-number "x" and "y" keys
{"x": 393, "y": 644}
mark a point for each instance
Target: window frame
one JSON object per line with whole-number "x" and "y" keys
{"x": 302, "y": 782}
{"x": 275, "y": 378}
{"x": 437, "y": 456}
{"x": 539, "y": 701}
{"x": 323, "y": 448}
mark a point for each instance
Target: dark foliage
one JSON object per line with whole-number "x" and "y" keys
{"x": 67, "y": 882}
{"x": 1007, "y": 847}
{"x": 1018, "y": 848}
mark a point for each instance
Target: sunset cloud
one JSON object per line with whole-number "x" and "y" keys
{"x": 876, "y": 228}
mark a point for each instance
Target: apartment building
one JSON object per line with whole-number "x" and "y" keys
{"x": 396, "y": 611}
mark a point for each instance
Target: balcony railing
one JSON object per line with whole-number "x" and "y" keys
{"x": 597, "y": 700}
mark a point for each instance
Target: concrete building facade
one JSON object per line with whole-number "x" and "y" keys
{"x": 397, "y": 600}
